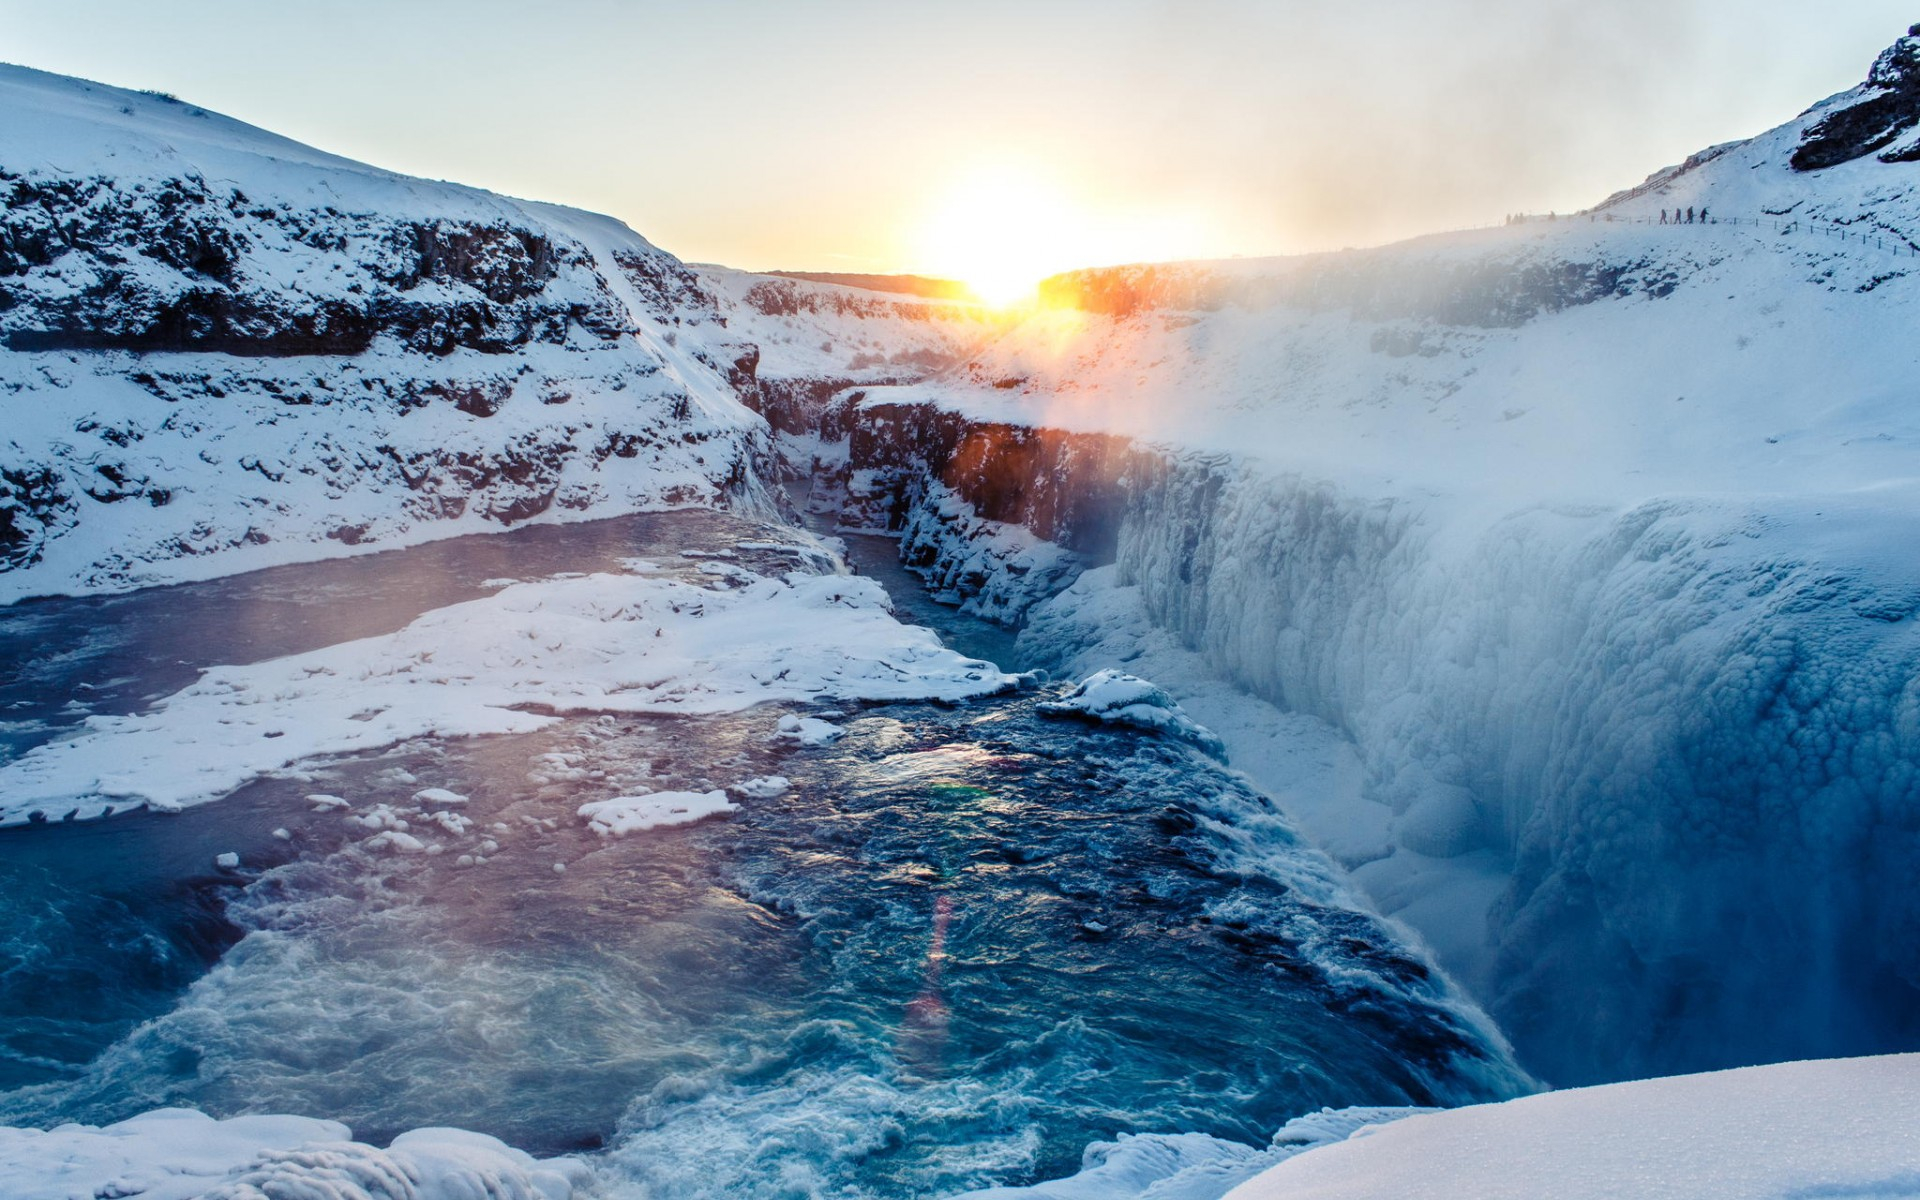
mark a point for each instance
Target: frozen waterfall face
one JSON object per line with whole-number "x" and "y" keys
{"x": 1590, "y": 538}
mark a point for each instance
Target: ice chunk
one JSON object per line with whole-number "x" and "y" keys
{"x": 1117, "y": 698}
{"x": 808, "y": 731}
{"x": 394, "y": 839}
{"x": 227, "y": 862}
{"x": 439, "y": 796}
{"x": 635, "y": 814}
{"x": 764, "y": 787}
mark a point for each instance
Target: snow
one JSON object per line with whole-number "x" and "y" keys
{"x": 1825, "y": 1128}
{"x": 764, "y": 787}
{"x": 806, "y": 731}
{"x": 510, "y": 662}
{"x": 1113, "y": 697}
{"x": 808, "y": 330}
{"x": 180, "y": 1154}
{"x": 636, "y": 814}
{"x": 1190, "y": 1166}
{"x": 1836, "y": 1127}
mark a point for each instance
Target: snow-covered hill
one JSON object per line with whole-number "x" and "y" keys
{"x": 1590, "y": 540}
{"x": 225, "y": 349}
{"x": 1828, "y": 1128}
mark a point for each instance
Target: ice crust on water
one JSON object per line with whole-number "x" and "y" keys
{"x": 1111, "y": 697}
{"x": 503, "y": 664}
{"x": 181, "y": 1154}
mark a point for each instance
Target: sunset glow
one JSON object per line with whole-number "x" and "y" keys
{"x": 1001, "y": 230}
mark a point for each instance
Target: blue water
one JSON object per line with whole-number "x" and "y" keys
{"x": 968, "y": 942}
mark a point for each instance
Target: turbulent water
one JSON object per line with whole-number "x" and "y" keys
{"x": 963, "y": 944}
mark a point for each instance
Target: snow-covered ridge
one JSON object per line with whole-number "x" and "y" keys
{"x": 1833, "y": 1128}
{"x": 1828, "y": 1128}
{"x": 807, "y": 329}
{"x": 222, "y": 345}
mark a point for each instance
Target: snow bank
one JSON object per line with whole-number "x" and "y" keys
{"x": 1828, "y": 1128}
{"x": 1112, "y": 697}
{"x": 1836, "y": 1127}
{"x": 180, "y": 1154}
{"x": 510, "y": 662}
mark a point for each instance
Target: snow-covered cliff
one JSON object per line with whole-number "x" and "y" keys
{"x": 1591, "y": 536}
{"x": 224, "y": 349}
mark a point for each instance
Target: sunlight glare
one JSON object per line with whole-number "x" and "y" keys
{"x": 1002, "y": 230}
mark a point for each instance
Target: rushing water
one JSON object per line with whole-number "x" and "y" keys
{"x": 966, "y": 942}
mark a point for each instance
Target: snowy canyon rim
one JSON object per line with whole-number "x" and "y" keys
{"x": 1630, "y": 719}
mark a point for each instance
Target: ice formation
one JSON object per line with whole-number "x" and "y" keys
{"x": 623, "y": 815}
{"x": 508, "y": 663}
{"x": 1112, "y": 697}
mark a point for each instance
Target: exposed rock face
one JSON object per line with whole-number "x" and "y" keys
{"x": 1063, "y": 487}
{"x": 1887, "y": 106}
{"x": 176, "y": 264}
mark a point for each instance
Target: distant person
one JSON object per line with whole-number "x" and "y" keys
{"x": 1689, "y": 214}
{"x": 1703, "y": 214}
{"x": 1663, "y": 216}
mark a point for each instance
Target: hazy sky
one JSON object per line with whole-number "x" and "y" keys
{"x": 853, "y": 135}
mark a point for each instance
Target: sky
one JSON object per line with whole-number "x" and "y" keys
{"x": 848, "y": 135}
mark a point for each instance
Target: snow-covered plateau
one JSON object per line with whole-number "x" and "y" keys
{"x": 1550, "y": 589}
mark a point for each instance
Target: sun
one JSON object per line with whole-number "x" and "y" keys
{"x": 1003, "y": 229}
{"x": 1001, "y": 232}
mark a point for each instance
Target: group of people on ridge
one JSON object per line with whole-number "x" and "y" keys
{"x": 1680, "y": 218}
